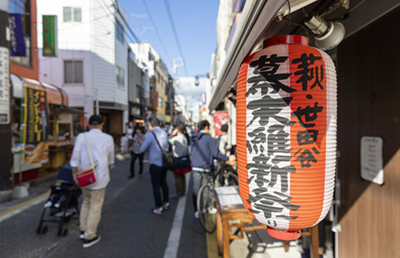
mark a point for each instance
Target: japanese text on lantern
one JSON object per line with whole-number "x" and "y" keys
{"x": 272, "y": 94}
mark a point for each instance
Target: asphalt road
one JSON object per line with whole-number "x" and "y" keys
{"x": 128, "y": 227}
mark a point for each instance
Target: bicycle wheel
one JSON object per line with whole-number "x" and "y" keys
{"x": 206, "y": 208}
{"x": 231, "y": 179}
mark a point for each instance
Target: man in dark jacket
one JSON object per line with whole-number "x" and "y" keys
{"x": 203, "y": 150}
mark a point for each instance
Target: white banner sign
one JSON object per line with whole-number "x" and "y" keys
{"x": 371, "y": 159}
{"x": 4, "y": 86}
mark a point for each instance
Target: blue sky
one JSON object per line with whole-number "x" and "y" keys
{"x": 195, "y": 23}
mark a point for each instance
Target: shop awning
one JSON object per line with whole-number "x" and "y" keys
{"x": 254, "y": 21}
{"x": 138, "y": 117}
{"x": 55, "y": 95}
{"x": 72, "y": 110}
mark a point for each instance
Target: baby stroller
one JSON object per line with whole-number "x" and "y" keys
{"x": 62, "y": 203}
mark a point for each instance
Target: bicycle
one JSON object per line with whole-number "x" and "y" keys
{"x": 206, "y": 206}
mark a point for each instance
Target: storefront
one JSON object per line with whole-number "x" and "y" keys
{"x": 64, "y": 125}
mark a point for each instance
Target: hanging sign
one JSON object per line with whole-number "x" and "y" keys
{"x": 203, "y": 98}
{"x": 4, "y": 86}
{"x": 371, "y": 159}
{"x": 286, "y": 135}
{"x": 36, "y": 126}
{"x": 49, "y": 35}
{"x": 17, "y": 42}
{"x": 220, "y": 118}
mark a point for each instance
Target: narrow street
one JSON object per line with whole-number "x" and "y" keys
{"x": 128, "y": 228}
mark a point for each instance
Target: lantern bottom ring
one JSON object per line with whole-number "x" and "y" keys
{"x": 284, "y": 235}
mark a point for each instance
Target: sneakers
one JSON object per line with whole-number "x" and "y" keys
{"x": 82, "y": 235}
{"x": 89, "y": 243}
{"x": 165, "y": 206}
{"x": 196, "y": 214}
{"x": 157, "y": 210}
{"x": 174, "y": 196}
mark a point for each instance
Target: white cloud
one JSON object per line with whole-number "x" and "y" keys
{"x": 186, "y": 87}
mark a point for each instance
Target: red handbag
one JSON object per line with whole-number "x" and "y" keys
{"x": 86, "y": 177}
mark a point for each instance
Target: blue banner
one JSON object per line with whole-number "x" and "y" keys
{"x": 17, "y": 42}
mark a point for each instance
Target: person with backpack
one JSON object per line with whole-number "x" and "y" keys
{"x": 179, "y": 144}
{"x": 156, "y": 142}
{"x": 204, "y": 151}
{"x": 222, "y": 140}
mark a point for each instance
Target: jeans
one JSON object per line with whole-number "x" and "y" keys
{"x": 197, "y": 178}
{"x": 134, "y": 156}
{"x": 159, "y": 180}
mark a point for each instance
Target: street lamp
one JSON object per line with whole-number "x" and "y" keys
{"x": 197, "y": 80}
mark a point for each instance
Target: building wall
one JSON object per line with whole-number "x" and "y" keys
{"x": 160, "y": 88}
{"x": 224, "y": 20}
{"x": 93, "y": 41}
{"x": 52, "y": 72}
{"x": 30, "y": 72}
{"x": 71, "y": 35}
{"x": 368, "y": 95}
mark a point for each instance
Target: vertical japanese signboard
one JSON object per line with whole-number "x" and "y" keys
{"x": 220, "y": 118}
{"x": 49, "y": 35}
{"x": 203, "y": 98}
{"x": 371, "y": 159}
{"x": 36, "y": 126}
{"x": 17, "y": 42}
{"x": 286, "y": 135}
{"x": 4, "y": 86}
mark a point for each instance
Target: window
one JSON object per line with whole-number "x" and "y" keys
{"x": 160, "y": 102}
{"x": 120, "y": 77}
{"x": 139, "y": 94}
{"x": 119, "y": 32}
{"x": 72, "y": 14}
{"x": 73, "y": 72}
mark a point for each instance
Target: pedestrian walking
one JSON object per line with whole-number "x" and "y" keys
{"x": 129, "y": 133}
{"x": 203, "y": 151}
{"x": 101, "y": 146}
{"x": 138, "y": 140}
{"x": 222, "y": 140}
{"x": 180, "y": 150}
{"x": 157, "y": 137}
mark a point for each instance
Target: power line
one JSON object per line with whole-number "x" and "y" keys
{"x": 158, "y": 35}
{"x": 175, "y": 34}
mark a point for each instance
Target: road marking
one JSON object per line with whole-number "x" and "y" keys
{"x": 23, "y": 206}
{"x": 175, "y": 234}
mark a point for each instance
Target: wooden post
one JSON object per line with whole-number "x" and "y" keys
{"x": 314, "y": 241}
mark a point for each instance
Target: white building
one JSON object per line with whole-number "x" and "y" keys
{"x": 92, "y": 57}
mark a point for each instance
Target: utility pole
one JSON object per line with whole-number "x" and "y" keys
{"x": 97, "y": 102}
{"x": 6, "y": 155}
{"x": 174, "y": 69}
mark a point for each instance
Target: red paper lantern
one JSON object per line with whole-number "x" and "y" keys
{"x": 286, "y": 134}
